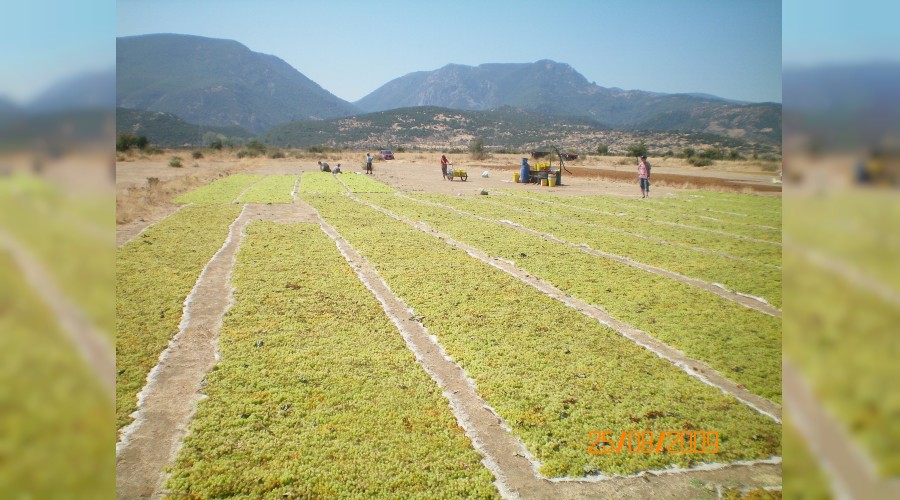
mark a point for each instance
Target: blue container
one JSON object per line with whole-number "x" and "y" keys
{"x": 524, "y": 171}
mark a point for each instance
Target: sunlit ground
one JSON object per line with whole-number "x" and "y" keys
{"x": 57, "y": 216}
{"x": 842, "y": 308}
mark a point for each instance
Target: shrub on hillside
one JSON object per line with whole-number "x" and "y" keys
{"x": 699, "y": 161}
{"x": 712, "y": 154}
{"x": 256, "y": 146}
{"x": 124, "y": 142}
{"x": 639, "y": 149}
{"x": 476, "y": 149}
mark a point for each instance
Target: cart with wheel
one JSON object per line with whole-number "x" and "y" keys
{"x": 462, "y": 174}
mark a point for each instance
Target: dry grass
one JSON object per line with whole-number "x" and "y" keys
{"x": 138, "y": 198}
{"x": 137, "y": 202}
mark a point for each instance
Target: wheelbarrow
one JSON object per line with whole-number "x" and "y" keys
{"x": 462, "y": 174}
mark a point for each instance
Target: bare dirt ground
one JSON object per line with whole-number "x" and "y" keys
{"x": 167, "y": 410}
{"x": 141, "y": 201}
{"x": 85, "y": 174}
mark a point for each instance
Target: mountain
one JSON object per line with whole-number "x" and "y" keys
{"x": 76, "y": 129}
{"x": 508, "y": 128}
{"x": 217, "y": 82}
{"x": 843, "y": 105}
{"x": 8, "y": 110}
{"x": 862, "y": 87}
{"x": 557, "y": 89}
{"x": 168, "y": 130}
{"x": 95, "y": 90}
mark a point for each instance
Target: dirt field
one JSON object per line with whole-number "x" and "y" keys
{"x": 145, "y": 188}
{"x": 140, "y": 200}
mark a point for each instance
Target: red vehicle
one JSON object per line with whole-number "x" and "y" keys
{"x": 386, "y": 154}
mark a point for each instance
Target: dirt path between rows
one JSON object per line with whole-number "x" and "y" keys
{"x": 91, "y": 343}
{"x": 844, "y": 462}
{"x": 170, "y": 399}
{"x": 127, "y": 232}
{"x": 690, "y": 366}
{"x": 505, "y": 455}
{"x": 631, "y": 233}
{"x": 846, "y": 271}
{"x": 730, "y": 295}
{"x": 152, "y": 445}
{"x": 662, "y": 222}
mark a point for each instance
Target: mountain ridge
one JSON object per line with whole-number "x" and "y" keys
{"x": 554, "y": 88}
{"x": 219, "y": 82}
{"x": 506, "y": 128}
{"x": 87, "y": 90}
{"x": 168, "y": 130}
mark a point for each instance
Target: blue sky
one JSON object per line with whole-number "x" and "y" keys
{"x": 727, "y": 48}
{"x": 841, "y": 31}
{"x": 47, "y": 40}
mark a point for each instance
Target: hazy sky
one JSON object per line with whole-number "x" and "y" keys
{"x": 840, "y": 31}
{"x": 727, "y": 48}
{"x": 47, "y": 40}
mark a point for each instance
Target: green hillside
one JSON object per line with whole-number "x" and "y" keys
{"x": 217, "y": 82}
{"x": 168, "y": 130}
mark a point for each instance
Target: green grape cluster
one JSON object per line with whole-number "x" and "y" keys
{"x": 763, "y": 228}
{"x": 742, "y": 344}
{"x": 271, "y": 189}
{"x": 364, "y": 184}
{"x": 757, "y": 279}
{"x": 221, "y": 191}
{"x": 56, "y": 415}
{"x": 573, "y": 213}
{"x": 316, "y": 393}
{"x": 67, "y": 235}
{"x": 553, "y": 374}
{"x": 320, "y": 182}
{"x": 154, "y": 274}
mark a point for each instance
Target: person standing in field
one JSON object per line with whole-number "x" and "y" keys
{"x": 368, "y": 163}
{"x": 444, "y": 163}
{"x": 644, "y": 176}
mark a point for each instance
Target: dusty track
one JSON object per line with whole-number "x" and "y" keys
{"x": 170, "y": 398}
{"x": 504, "y": 454}
{"x": 730, "y": 295}
{"x": 174, "y": 390}
{"x": 93, "y": 346}
{"x": 849, "y": 468}
{"x": 690, "y": 366}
